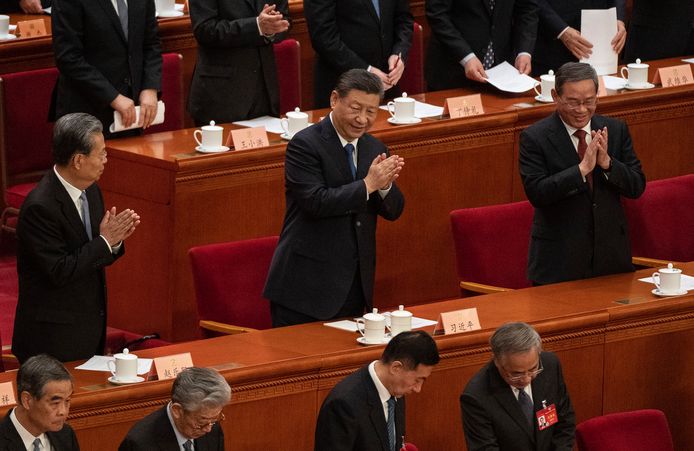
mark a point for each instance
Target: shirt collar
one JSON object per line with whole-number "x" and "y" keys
{"x": 571, "y": 130}
{"x": 383, "y": 392}
{"x": 72, "y": 191}
{"x": 528, "y": 389}
{"x": 343, "y": 141}
{"x": 180, "y": 438}
{"x": 26, "y": 436}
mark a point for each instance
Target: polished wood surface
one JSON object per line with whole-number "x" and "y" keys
{"x": 615, "y": 357}
{"x": 187, "y": 199}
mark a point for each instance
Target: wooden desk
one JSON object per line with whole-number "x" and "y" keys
{"x": 615, "y": 357}
{"x": 188, "y": 199}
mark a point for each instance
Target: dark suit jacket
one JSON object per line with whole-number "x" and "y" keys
{"x": 660, "y": 29}
{"x": 352, "y": 418}
{"x": 493, "y": 419}
{"x": 461, "y": 27}
{"x": 61, "y": 309}
{"x": 154, "y": 432}
{"x": 95, "y": 60}
{"x": 12, "y": 6}
{"x": 231, "y": 56}
{"x": 575, "y": 234}
{"x": 63, "y": 440}
{"x": 347, "y": 34}
{"x": 555, "y": 16}
{"x": 329, "y": 227}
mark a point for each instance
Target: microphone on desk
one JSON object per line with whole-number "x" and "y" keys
{"x": 142, "y": 339}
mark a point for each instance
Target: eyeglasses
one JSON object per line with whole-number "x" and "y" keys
{"x": 209, "y": 424}
{"x": 518, "y": 376}
{"x": 575, "y": 104}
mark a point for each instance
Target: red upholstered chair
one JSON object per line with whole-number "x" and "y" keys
{"x": 171, "y": 93}
{"x": 412, "y": 81}
{"x": 288, "y": 61}
{"x": 640, "y": 430}
{"x": 661, "y": 222}
{"x": 491, "y": 247}
{"x": 229, "y": 280}
{"x": 117, "y": 339}
{"x": 409, "y": 447}
{"x": 25, "y": 136}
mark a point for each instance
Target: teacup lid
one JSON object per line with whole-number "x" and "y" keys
{"x": 400, "y": 311}
{"x": 125, "y": 355}
{"x": 548, "y": 76}
{"x": 374, "y": 316}
{"x": 638, "y": 64}
{"x": 296, "y": 113}
{"x": 670, "y": 269}
{"x": 404, "y": 98}
{"x": 212, "y": 126}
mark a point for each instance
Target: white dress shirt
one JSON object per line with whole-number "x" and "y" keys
{"x": 27, "y": 437}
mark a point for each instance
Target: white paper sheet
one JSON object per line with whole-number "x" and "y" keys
{"x": 614, "y": 83}
{"x": 507, "y": 78}
{"x": 271, "y": 124}
{"x": 686, "y": 283}
{"x": 688, "y": 60}
{"x": 100, "y": 363}
{"x": 117, "y": 125}
{"x": 599, "y": 27}
{"x": 422, "y": 110}
{"x": 351, "y": 326}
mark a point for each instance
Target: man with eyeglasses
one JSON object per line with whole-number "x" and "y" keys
{"x": 190, "y": 422}
{"x": 575, "y": 168}
{"x": 518, "y": 401}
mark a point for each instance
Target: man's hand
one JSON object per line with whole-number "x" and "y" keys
{"x": 603, "y": 157}
{"x": 577, "y": 44}
{"x": 395, "y": 67}
{"x": 31, "y": 6}
{"x": 148, "y": 107}
{"x": 126, "y": 107}
{"x": 475, "y": 71}
{"x": 620, "y": 38}
{"x": 271, "y": 21}
{"x": 117, "y": 227}
{"x": 597, "y": 142}
{"x": 383, "y": 171}
{"x": 523, "y": 64}
{"x": 382, "y": 76}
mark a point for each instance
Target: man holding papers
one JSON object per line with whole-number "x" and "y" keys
{"x": 575, "y": 168}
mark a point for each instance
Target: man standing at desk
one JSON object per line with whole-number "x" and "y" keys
{"x": 366, "y": 410}
{"x": 338, "y": 180}
{"x": 575, "y": 167}
{"x": 518, "y": 400}
{"x": 65, "y": 242}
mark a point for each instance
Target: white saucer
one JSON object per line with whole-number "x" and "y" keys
{"x": 115, "y": 381}
{"x": 644, "y": 86}
{"x": 657, "y": 292}
{"x": 218, "y": 150}
{"x": 542, "y": 99}
{"x": 362, "y": 341}
{"x": 8, "y": 37}
{"x": 414, "y": 120}
{"x": 286, "y": 136}
{"x": 173, "y": 13}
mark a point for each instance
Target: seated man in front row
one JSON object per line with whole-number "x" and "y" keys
{"x": 366, "y": 410}
{"x": 190, "y": 421}
{"x": 518, "y": 401}
{"x": 44, "y": 388}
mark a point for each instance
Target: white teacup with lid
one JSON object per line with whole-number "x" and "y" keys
{"x": 295, "y": 121}
{"x": 637, "y": 74}
{"x": 210, "y": 136}
{"x": 123, "y": 367}
{"x": 402, "y": 108}
{"x": 546, "y": 86}
{"x": 400, "y": 321}
{"x": 667, "y": 280}
{"x": 374, "y": 329}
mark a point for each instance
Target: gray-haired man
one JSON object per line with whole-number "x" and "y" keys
{"x": 518, "y": 401}
{"x": 190, "y": 421}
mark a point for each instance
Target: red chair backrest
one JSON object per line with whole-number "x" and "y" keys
{"x": 661, "y": 221}
{"x": 171, "y": 93}
{"x": 491, "y": 244}
{"x": 412, "y": 81}
{"x": 229, "y": 280}
{"x": 640, "y": 430}
{"x": 288, "y": 62}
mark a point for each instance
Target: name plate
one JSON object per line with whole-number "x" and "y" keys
{"x": 31, "y": 28}
{"x": 457, "y": 322}
{"x": 674, "y": 76}
{"x": 249, "y": 138}
{"x": 463, "y": 106}
{"x": 7, "y": 394}
{"x": 169, "y": 366}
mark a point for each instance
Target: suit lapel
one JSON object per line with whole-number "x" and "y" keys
{"x": 365, "y": 155}
{"x": 488, "y": 7}
{"x": 67, "y": 207}
{"x": 507, "y": 400}
{"x": 165, "y": 436}
{"x": 561, "y": 142}
{"x": 95, "y": 209}
{"x": 378, "y": 419}
{"x": 368, "y": 4}
{"x": 112, "y": 15}
{"x": 9, "y": 437}
{"x": 335, "y": 151}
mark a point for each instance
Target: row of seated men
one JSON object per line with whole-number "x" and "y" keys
{"x": 518, "y": 401}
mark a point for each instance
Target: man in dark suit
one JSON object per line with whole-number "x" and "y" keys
{"x": 109, "y": 57}
{"x": 235, "y": 76}
{"x": 505, "y": 405}
{"x": 189, "y": 421}
{"x": 470, "y": 36}
{"x": 559, "y": 37}
{"x": 44, "y": 388}
{"x": 574, "y": 173}
{"x": 338, "y": 180}
{"x": 366, "y": 410}
{"x": 358, "y": 34}
{"x": 65, "y": 242}
{"x": 660, "y": 29}
{"x": 25, "y": 6}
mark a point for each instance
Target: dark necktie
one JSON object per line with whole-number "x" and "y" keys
{"x": 349, "y": 150}
{"x": 85, "y": 214}
{"x": 391, "y": 424}
{"x": 123, "y": 16}
{"x": 526, "y": 405}
{"x": 37, "y": 444}
{"x": 188, "y": 445}
{"x": 488, "y": 61}
{"x": 582, "y": 146}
